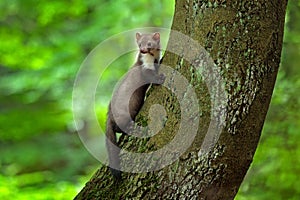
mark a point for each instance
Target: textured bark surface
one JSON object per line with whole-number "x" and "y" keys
{"x": 244, "y": 39}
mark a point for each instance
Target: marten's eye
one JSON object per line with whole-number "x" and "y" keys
{"x": 149, "y": 44}
{"x": 140, "y": 45}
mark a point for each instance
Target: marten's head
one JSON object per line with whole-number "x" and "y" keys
{"x": 148, "y": 43}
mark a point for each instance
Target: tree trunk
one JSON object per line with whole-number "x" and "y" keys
{"x": 233, "y": 89}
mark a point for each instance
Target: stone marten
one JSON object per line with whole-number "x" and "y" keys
{"x": 129, "y": 95}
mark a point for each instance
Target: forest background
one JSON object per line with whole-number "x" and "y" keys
{"x": 42, "y": 45}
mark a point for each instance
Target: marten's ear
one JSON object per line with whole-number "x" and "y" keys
{"x": 138, "y": 36}
{"x": 156, "y": 36}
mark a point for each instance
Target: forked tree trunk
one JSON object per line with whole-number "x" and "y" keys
{"x": 244, "y": 40}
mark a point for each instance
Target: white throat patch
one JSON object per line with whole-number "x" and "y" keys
{"x": 148, "y": 61}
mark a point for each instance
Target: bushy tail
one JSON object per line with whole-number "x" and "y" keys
{"x": 113, "y": 151}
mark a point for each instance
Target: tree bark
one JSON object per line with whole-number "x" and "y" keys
{"x": 244, "y": 40}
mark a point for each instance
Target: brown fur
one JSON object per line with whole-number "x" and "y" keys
{"x": 131, "y": 91}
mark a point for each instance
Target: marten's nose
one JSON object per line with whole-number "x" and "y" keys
{"x": 144, "y": 50}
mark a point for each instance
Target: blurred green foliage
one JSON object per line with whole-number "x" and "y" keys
{"x": 42, "y": 46}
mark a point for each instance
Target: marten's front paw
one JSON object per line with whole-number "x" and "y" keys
{"x": 129, "y": 128}
{"x": 161, "y": 79}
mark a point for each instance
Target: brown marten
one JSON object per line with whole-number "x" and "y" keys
{"x": 129, "y": 95}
